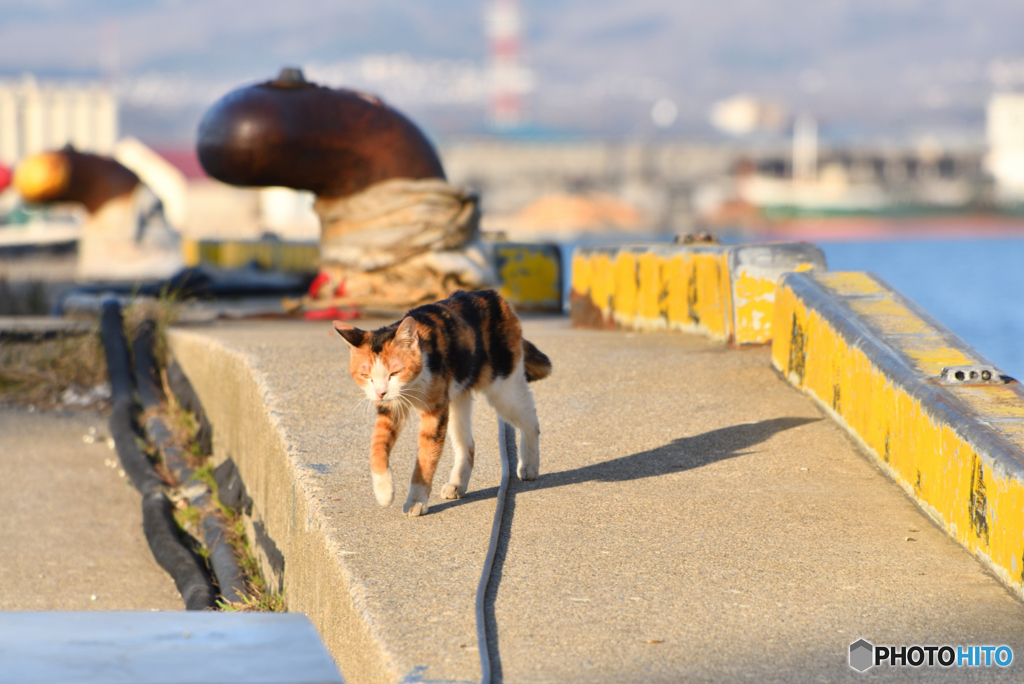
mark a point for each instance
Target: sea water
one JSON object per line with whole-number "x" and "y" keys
{"x": 974, "y": 287}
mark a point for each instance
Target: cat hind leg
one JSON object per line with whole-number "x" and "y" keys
{"x": 460, "y": 425}
{"x": 513, "y": 400}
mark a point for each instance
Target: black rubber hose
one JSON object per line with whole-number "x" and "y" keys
{"x": 135, "y": 463}
{"x": 222, "y": 558}
{"x": 182, "y": 389}
{"x": 115, "y": 348}
{"x": 157, "y": 518}
{"x": 147, "y": 382}
{"x": 198, "y": 282}
{"x": 173, "y": 556}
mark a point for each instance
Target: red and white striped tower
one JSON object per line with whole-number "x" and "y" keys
{"x": 504, "y": 26}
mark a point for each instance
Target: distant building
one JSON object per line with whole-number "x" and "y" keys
{"x": 742, "y": 114}
{"x": 1005, "y": 132}
{"x": 38, "y": 116}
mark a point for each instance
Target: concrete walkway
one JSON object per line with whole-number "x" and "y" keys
{"x": 700, "y": 520}
{"x": 696, "y": 519}
{"x": 71, "y": 530}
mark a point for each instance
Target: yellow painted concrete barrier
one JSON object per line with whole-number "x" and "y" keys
{"x": 726, "y": 292}
{"x": 935, "y": 415}
{"x": 529, "y": 274}
{"x": 300, "y": 257}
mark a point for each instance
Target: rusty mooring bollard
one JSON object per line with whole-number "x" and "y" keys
{"x": 125, "y": 236}
{"x": 393, "y": 232}
{"x": 293, "y": 133}
{"x": 67, "y": 175}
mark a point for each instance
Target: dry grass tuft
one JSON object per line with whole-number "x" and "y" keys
{"x": 38, "y": 373}
{"x": 163, "y": 312}
{"x": 256, "y": 602}
{"x": 258, "y": 595}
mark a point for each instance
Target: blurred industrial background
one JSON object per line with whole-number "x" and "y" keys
{"x": 565, "y": 117}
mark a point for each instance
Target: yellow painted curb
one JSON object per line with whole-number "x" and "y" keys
{"x": 529, "y": 274}
{"x": 725, "y": 292}
{"x": 874, "y": 361}
{"x": 300, "y": 257}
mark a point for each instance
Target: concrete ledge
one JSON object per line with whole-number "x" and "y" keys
{"x": 612, "y": 567}
{"x": 873, "y": 360}
{"x": 235, "y": 398}
{"x": 392, "y": 598}
{"x": 725, "y": 292}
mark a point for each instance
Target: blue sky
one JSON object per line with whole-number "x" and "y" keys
{"x": 598, "y": 64}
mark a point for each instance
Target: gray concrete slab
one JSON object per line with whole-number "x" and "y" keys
{"x": 696, "y": 519}
{"x": 71, "y": 530}
{"x": 194, "y": 647}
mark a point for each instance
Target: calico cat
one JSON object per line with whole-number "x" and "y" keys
{"x": 431, "y": 360}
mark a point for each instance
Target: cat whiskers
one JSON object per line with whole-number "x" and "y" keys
{"x": 398, "y": 404}
{"x": 406, "y": 406}
{"x": 417, "y": 393}
{"x": 366, "y": 404}
{"x": 412, "y": 396}
{"x": 416, "y": 400}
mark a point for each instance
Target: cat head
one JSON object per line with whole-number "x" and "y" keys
{"x": 386, "y": 361}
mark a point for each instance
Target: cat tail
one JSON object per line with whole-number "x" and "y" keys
{"x": 538, "y": 365}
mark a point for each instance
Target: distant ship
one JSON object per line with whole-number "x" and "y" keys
{"x": 863, "y": 193}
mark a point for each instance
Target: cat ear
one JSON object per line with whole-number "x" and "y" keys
{"x": 406, "y": 333}
{"x": 353, "y": 335}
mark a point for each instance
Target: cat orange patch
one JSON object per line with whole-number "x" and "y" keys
{"x": 463, "y": 343}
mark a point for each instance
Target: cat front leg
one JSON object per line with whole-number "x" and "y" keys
{"x": 433, "y": 428}
{"x": 385, "y": 433}
{"x": 461, "y": 427}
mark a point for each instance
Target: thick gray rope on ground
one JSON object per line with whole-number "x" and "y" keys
{"x": 507, "y": 450}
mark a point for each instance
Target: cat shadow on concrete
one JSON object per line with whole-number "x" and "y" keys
{"x": 684, "y": 453}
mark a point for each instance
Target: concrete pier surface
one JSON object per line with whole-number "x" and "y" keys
{"x": 696, "y": 519}
{"x": 71, "y": 530}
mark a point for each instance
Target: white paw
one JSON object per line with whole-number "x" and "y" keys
{"x": 528, "y": 471}
{"x": 416, "y": 503}
{"x": 383, "y": 488}
{"x": 415, "y": 508}
{"x": 451, "y": 491}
